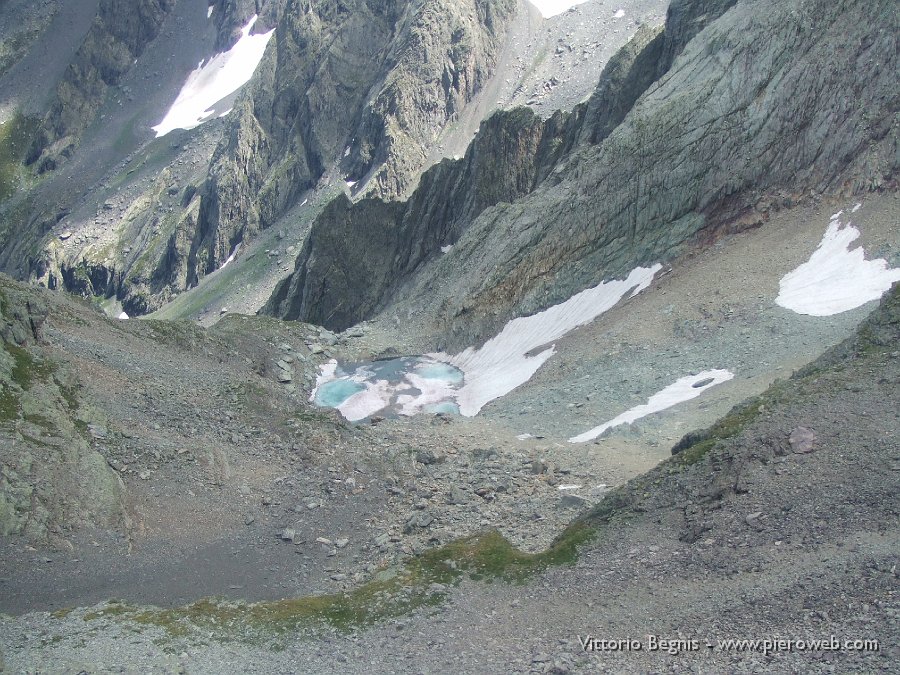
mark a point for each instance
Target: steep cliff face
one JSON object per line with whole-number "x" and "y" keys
{"x": 359, "y": 253}
{"x": 346, "y": 91}
{"x": 120, "y": 33}
{"x": 768, "y": 100}
{"x": 368, "y": 82}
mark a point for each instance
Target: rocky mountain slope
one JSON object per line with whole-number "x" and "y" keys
{"x": 173, "y": 495}
{"x": 330, "y": 101}
{"x": 721, "y": 128}
{"x": 780, "y": 520}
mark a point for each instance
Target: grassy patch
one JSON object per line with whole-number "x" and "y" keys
{"x": 25, "y": 370}
{"x": 696, "y": 445}
{"x": 15, "y": 137}
{"x": 485, "y": 556}
{"x": 112, "y": 608}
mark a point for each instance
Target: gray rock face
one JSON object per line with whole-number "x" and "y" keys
{"x": 377, "y": 244}
{"x": 370, "y": 82}
{"x": 22, "y": 316}
{"x": 353, "y": 90}
{"x": 51, "y": 477}
{"x": 119, "y": 34}
{"x": 759, "y": 102}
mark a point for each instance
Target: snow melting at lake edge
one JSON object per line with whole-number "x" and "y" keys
{"x": 683, "y": 389}
{"x": 221, "y": 76}
{"x": 835, "y": 279}
{"x": 467, "y": 381}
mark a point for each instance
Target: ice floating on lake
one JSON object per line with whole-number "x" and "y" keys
{"x": 549, "y": 8}
{"x": 407, "y": 386}
{"x": 222, "y": 75}
{"x": 835, "y": 279}
{"x": 683, "y": 389}
{"x": 465, "y": 382}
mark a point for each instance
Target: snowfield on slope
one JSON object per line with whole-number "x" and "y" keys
{"x": 504, "y": 362}
{"x": 836, "y": 279}
{"x": 683, "y": 389}
{"x": 221, "y": 76}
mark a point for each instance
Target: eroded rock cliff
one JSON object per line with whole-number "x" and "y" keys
{"x": 734, "y": 109}
{"x": 371, "y": 83}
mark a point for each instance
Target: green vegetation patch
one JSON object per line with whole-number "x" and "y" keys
{"x": 15, "y": 137}
{"x": 25, "y": 370}
{"x": 420, "y": 582}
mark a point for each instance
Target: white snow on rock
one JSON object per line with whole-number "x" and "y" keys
{"x": 231, "y": 257}
{"x": 835, "y": 279}
{"x": 619, "y": 14}
{"x": 681, "y": 390}
{"x": 549, "y": 8}
{"x": 212, "y": 81}
{"x": 123, "y": 316}
{"x": 504, "y": 362}
{"x": 209, "y": 11}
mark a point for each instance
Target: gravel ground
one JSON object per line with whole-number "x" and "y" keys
{"x": 220, "y": 459}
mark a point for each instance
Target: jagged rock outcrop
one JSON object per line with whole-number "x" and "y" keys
{"x": 120, "y": 33}
{"x": 51, "y": 479}
{"x": 22, "y": 316}
{"x": 760, "y": 102}
{"x": 368, "y": 82}
{"x": 382, "y": 243}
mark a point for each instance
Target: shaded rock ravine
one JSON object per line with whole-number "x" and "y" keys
{"x": 737, "y": 108}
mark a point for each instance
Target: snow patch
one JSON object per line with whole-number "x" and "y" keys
{"x": 447, "y": 248}
{"x": 507, "y": 360}
{"x": 681, "y": 390}
{"x": 237, "y": 247}
{"x": 123, "y": 316}
{"x": 835, "y": 279}
{"x": 222, "y": 75}
{"x": 209, "y": 11}
{"x": 549, "y": 8}
{"x": 619, "y": 14}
